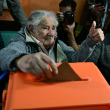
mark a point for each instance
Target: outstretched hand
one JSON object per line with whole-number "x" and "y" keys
{"x": 96, "y": 35}
{"x": 37, "y": 65}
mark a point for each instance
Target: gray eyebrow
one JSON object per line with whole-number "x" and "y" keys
{"x": 47, "y": 25}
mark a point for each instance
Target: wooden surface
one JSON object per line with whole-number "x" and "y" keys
{"x": 51, "y": 5}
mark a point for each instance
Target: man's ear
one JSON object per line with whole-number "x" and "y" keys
{"x": 31, "y": 29}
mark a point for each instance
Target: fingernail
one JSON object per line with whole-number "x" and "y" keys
{"x": 56, "y": 72}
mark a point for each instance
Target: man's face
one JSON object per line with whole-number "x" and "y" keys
{"x": 46, "y": 31}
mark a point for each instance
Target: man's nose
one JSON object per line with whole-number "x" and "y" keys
{"x": 51, "y": 32}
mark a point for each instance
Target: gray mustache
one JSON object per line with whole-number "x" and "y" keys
{"x": 48, "y": 37}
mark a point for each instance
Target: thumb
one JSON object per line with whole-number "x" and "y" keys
{"x": 93, "y": 25}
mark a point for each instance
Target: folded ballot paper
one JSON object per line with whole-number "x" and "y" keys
{"x": 65, "y": 73}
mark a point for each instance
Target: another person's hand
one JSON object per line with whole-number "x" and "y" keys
{"x": 37, "y": 65}
{"x": 69, "y": 28}
{"x": 60, "y": 16}
{"x": 96, "y": 35}
{"x": 97, "y": 9}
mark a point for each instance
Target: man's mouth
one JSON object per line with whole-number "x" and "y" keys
{"x": 48, "y": 37}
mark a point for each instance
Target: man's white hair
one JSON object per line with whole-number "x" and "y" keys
{"x": 36, "y": 17}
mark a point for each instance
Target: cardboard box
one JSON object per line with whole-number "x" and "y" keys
{"x": 93, "y": 93}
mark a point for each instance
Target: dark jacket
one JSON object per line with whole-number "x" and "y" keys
{"x": 101, "y": 57}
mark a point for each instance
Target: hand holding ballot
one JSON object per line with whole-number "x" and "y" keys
{"x": 36, "y": 64}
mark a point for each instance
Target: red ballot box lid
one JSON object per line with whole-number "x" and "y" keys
{"x": 93, "y": 93}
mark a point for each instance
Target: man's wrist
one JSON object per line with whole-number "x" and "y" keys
{"x": 16, "y": 61}
{"x": 71, "y": 37}
{"x": 90, "y": 42}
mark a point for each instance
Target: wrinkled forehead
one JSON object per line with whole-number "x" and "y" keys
{"x": 47, "y": 21}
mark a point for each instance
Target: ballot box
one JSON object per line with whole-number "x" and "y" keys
{"x": 92, "y": 93}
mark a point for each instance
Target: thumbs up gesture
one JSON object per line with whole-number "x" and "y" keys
{"x": 96, "y": 35}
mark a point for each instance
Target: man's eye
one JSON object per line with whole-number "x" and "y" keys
{"x": 53, "y": 28}
{"x": 45, "y": 27}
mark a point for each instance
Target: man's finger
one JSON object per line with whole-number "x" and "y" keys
{"x": 93, "y": 25}
{"x": 51, "y": 64}
{"x": 97, "y": 5}
{"x": 46, "y": 69}
{"x": 48, "y": 60}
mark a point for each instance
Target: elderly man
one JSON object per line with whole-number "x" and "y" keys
{"x": 37, "y": 46}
